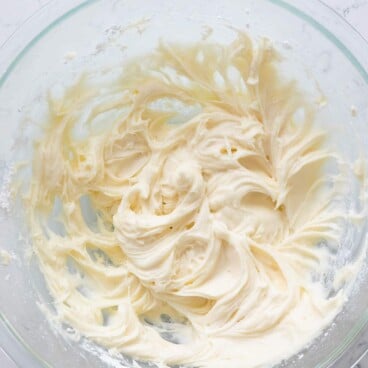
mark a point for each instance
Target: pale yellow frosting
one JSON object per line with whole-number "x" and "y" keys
{"x": 206, "y": 175}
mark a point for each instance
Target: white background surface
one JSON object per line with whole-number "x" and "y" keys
{"x": 14, "y": 12}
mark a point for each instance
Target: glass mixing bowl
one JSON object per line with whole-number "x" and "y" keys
{"x": 321, "y": 50}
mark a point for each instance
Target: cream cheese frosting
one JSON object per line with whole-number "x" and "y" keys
{"x": 178, "y": 207}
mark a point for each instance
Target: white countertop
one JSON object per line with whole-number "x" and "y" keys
{"x": 15, "y": 12}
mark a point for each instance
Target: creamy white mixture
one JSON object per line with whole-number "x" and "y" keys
{"x": 205, "y": 207}
{"x": 5, "y": 257}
